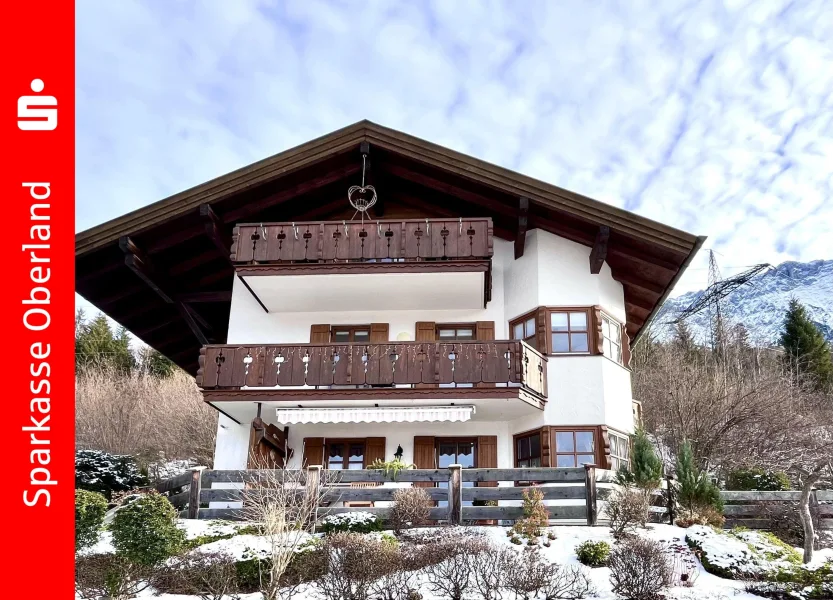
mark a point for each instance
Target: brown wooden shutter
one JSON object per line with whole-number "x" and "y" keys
{"x": 426, "y": 331}
{"x": 424, "y": 456}
{"x": 319, "y": 334}
{"x": 485, "y": 331}
{"x": 379, "y": 333}
{"x": 542, "y": 330}
{"x": 374, "y": 450}
{"x": 626, "y": 346}
{"x": 596, "y": 337}
{"x": 603, "y": 460}
{"x": 487, "y": 456}
{"x": 313, "y": 451}
{"x": 546, "y": 447}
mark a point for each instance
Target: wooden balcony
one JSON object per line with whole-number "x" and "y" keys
{"x": 390, "y": 370}
{"x": 451, "y": 246}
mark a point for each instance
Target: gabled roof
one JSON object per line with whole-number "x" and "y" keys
{"x": 183, "y": 239}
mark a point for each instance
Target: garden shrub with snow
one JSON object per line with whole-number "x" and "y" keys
{"x": 358, "y": 522}
{"x": 106, "y": 473}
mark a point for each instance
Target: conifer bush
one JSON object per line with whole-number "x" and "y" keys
{"x": 102, "y": 472}
{"x": 90, "y": 508}
{"x": 696, "y": 493}
{"x": 145, "y": 531}
{"x": 645, "y": 469}
{"x": 593, "y": 554}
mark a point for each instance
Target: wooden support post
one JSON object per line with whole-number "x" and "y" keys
{"x": 523, "y": 223}
{"x": 598, "y": 254}
{"x": 313, "y": 488}
{"x": 669, "y": 482}
{"x": 590, "y": 496}
{"x": 194, "y": 491}
{"x": 455, "y": 494}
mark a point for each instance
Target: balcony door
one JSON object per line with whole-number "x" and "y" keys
{"x": 456, "y": 451}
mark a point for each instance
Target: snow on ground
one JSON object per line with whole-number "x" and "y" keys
{"x": 749, "y": 551}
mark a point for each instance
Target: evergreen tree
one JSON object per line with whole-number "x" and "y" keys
{"x": 807, "y": 352}
{"x": 645, "y": 471}
{"x": 695, "y": 491}
{"x": 683, "y": 339}
{"x": 97, "y": 345}
{"x": 154, "y": 363}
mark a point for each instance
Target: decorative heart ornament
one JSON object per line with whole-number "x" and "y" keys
{"x": 362, "y": 197}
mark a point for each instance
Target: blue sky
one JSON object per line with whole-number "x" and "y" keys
{"x": 714, "y": 117}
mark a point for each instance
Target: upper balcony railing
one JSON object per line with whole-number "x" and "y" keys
{"x": 385, "y": 241}
{"x": 392, "y": 365}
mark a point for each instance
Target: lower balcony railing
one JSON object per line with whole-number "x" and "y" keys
{"x": 389, "y": 364}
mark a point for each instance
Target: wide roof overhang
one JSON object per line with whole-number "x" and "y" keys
{"x": 163, "y": 271}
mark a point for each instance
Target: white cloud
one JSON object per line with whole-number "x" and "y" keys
{"x": 713, "y": 117}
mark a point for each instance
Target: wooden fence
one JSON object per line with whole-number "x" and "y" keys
{"x": 752, "y": 509}
{"x": 457, "y": 488}
{"x": 580, "y": 500}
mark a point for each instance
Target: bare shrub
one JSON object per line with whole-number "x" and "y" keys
{"x": 490, "y": 569}
{"x": 111, "y": 576}
{"x": 639, "y": 569}
{"x": 411, "y": 508}
{"x": 141, "y": 415}
{"x": 704, "y": 515}
{"x": 397, "y": 584}
{"x": 286, "y": 509}
{"x": 535, "y": 516}
{"x": 452, "y": 577}
{"x": 354, "y": 563}
{"x": 785, "y": 520}
{"x": 207, "y": 575}
{"x": 627, "y": 510}
{"x": 567, "y": 583}
{"x": 528, "y": 574}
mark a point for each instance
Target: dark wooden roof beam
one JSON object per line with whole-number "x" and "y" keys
{"x": 197, "y": 297}
{"x": 625, "y": 277}
{"x": 486, "y": 202}
{"x": 598, "y": 254}
{"x": 137, "y": 262}
{"x": 216, "y": 231}
{"x": 247, "y": 209}
{"x": 523, "y": 223}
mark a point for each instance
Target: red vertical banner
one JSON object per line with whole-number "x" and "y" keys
{"x": 37, "y": 175}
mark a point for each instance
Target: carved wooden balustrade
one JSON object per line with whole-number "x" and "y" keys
{"x": 394, "y": 365}
{"x": 385, "y": 241}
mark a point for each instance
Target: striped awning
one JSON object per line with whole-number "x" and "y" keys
{"x": 373, "y": 414}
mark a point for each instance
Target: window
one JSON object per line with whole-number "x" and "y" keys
{"x": 454, "y": 451}
{"x": 345, "y": 454}
{"x": 575, "y": 448}
{"x": 569, "y": 331}
{"x": 620, "y": 451}
{"x": 350, "y": 333}
{"x": 612, "y": 336}
{"x": 451, "y": 333}
{"x": 528, "y": 450}
{"x": 525, "y": 329}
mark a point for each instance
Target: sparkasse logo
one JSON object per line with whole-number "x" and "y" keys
{"x": 30, "y": 112}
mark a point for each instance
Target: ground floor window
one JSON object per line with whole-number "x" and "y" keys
{"x": 574, "y": 448}
{"x": 456, "y": 451}
{"x": 528, "y": 450}
{"x": 620, "y": 451}
{"x": 345, "y": 454}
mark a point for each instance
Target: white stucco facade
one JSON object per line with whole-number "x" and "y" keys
{"x": 583, "y": 390}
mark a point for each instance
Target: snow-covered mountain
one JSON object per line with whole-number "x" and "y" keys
{"x": 760, "y": 304}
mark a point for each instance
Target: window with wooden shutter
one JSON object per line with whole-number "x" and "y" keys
{"x": 319, "y": 334}
{"x": 379, "y": 333}
{"x": 313, "y": 451}
{"x": 375, "y": 449}
{"x": 426, "y": 331}
{"x": 485, "y": 330}
{"x": 424, "y": 457}
{"x": 487, "y": 456}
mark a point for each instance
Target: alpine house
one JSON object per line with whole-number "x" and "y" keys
{"x": 369, "y": 295}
